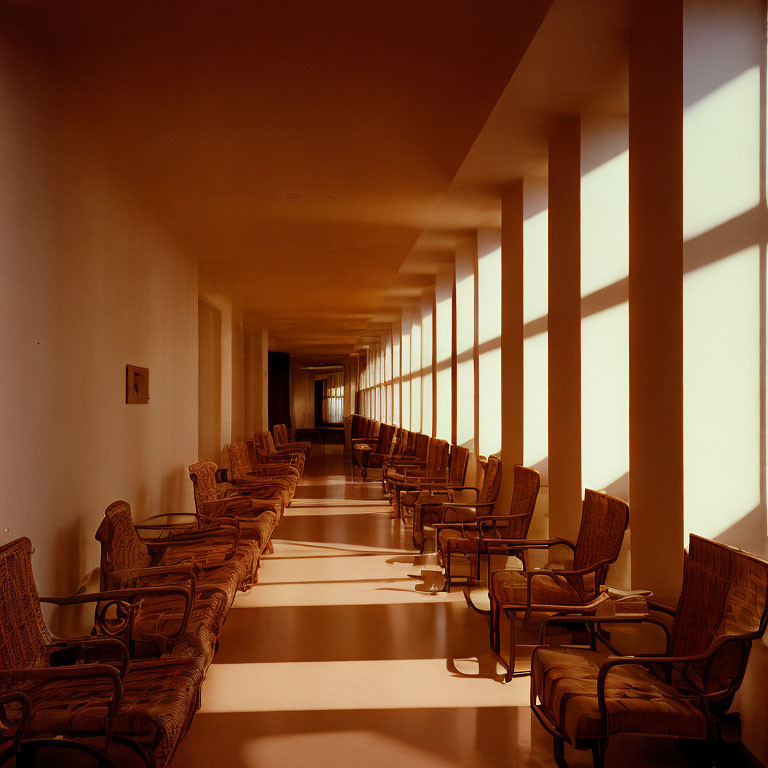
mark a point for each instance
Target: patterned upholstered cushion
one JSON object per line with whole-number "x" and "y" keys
{"x": 159, "y": 699}
{"x": 637, "y": 701}
{"x": 158, "y": 618}
{"x": 510, "y": 587}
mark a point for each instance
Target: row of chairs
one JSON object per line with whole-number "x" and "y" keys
{"x": 585, "y": 693}
{"x": 166, "y": 587}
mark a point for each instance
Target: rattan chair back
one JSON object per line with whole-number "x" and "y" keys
{"x": 604, "y": 519}
{"x": 457, "y": 472}
{"x": 23, "y": 634}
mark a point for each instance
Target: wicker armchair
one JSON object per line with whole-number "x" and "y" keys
{"x": 205, "y": 562}
{"x": 414, "y": 455}
{"x": 88, "y": 687}
{"x": 248, "y": 470}
{"x": 268, "y": 452}
{"x": 287, "y": 442}
{"x": 383, "y": 446}
{"x": 585, "y": 696}
{"x": 604, "y": 520}
{"x": 473, "y": 539}
{"x": 433, "y": 508}
{"x": 406, "y": 483}
{"x": 402, "y": 445}
{"x": 440, "y": 488}
{"x": 256, "y": 516}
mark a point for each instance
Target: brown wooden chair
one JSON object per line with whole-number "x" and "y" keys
{"x": 206, "y": 563}
{"x": 83, "y": 688}
{"x": 285, "y": 440}
{"x": 248, "y": 470}
{"x": 382, "y": 448}
{"x": 604, "y": 520}
{"x": 585, "y": 696}
{"x": 437, "y": 488}
{"x": 414, "y": 455}
{"x": 271, "y": 453}
{"x": 434, "y": 507}
{"x": 402, "y": 439}
{"x": 407, "y": 479}
{"x": 258, "y": 517}
{"x": 473, "y": 539}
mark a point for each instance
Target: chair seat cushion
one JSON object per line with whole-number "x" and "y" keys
{"x": 227, "y": 576}
{"x": 158, "y": 617}
{"x": 259, "y": 527}
{"x": 159, "y": 699}
{"x": 510, "y": 587}
{"x": 637, "y": 701}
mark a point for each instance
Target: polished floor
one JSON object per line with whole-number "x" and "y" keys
{"x": 336, "y": 659}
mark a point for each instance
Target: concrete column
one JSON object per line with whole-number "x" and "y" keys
{"x": 656, "y": 295}
{"x": 512, "y": 377}
{"x": 564, "y": 329}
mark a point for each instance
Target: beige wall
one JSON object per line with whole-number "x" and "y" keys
{"x": 303, "y": 398}
{"x": 88, "y": 283}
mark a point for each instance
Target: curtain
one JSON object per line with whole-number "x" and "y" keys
{"x": 333, "y": 398}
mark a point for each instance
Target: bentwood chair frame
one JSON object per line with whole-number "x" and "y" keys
{"x": 460, "y": 511}
{"x": 596, "y": 557}
{"x": 478, "y": 535}
{"x": 30, "y": 655}
{"x": 722, "y": 609}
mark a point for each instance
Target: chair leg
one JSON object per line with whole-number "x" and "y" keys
{"x": 447, "y": 579}
{"x": 512, "y": 646}
{"x": 560, "y": 752}
{"x": 598, "y": 754}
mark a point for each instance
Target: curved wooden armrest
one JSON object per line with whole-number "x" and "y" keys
{"x": 26, "y": 710}
{"x": 77, "y": 644}
{"x": 534, "y": 543}
{"x": 660, "y": 660}
{"x": 135, "y": 593}
{"x": 562, "y": 572}
{"x": 455, "y": 488}
{"x": 465, "y": 526}
{"x": 226, "y": 526}
{"x": 189, "y": 572}
{"x": 469, "y": 506}
{"x": 482, "y": 519}
{"x": 599, "y": 620}
{"x": 661, "y": 607}
{"x": 167, "y": 514}
{"x": 78, "y": 671}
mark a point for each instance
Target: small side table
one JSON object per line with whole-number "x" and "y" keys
{"x": 362, "y": 453}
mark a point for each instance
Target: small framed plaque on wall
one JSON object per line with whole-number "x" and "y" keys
{"x": 136, "y": 384}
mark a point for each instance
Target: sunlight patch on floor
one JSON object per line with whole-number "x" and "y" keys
{"x": 369, "y": 684}
{"x": 341, "y": 748}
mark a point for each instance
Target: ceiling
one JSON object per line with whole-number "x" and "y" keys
{"x": 576, "y": 64}
{"x": 297, "y": 149}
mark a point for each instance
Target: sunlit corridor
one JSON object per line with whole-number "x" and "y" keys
{"x": 335, "y": 659}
